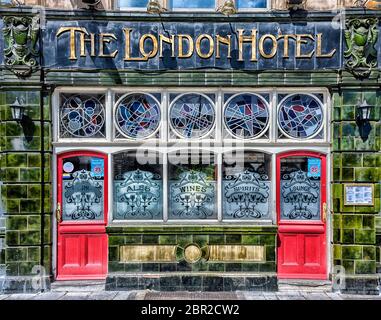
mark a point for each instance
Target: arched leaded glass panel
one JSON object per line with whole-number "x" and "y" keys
{"x": 192, "y": 116}
{"x": 82, "y": 116}
{"x": 138, "y": 185}
{"x": 300, "y": 116}
{"x": 246, "y": 183}
{"x": 137, "y": 116}
{"x": 246, "y": 116}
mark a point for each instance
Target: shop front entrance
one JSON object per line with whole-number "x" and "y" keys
{"x": 81, "y": 216}
{"x": 301, "y": 210}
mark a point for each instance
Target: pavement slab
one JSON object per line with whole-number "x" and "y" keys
{"x": 75, "y": 296}
{"x": 123, "y": 295}
{"x": 108, "y": 295}
{"x": 49, "y": 296}
{"x": 21, "y": 296}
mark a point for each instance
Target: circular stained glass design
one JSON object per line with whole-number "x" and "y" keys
{"x": 300, "y": 116}
{"x": 82, "y": 116}
{"x": 192, "y": 116}
{"x": 138, "y": 116}
{"x": 246, "y": 116}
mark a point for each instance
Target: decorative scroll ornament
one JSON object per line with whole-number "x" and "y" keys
{"x": 140, "y": 192}
{"x": 302, "y": 193}
{"x": 20, "y": 37}
{"x": 83, "y": 197}
{"x": 360, "y": 37}
{"x": 194, "y": 194}
{"x": 246, "y": 190}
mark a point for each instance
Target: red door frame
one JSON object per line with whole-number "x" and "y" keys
{"x": 317, "y": 226}
{"x": 82, "y": 227}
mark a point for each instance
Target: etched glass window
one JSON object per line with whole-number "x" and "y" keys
{"x": 192, "y": 116}
{"x": 82, "y": 188}
{"x": 82, "y": 116}
{"x": 251, "y": 4}
{"x": 137, "y": 116}
{"x": 300, "y": 188}
{"x": 246, "y": 116}
{"x": 138, "y": 185}
{"x": 194, "y": 4}
{"x": 246, "y": 185}
{"x": 300, "y": 116}
{"x": 192, "y": 186}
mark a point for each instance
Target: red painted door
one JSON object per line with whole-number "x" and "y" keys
{"x": 301, "y": 209}
{"x": 81, "y": 216}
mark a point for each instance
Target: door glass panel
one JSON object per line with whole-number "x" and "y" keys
{"x": 246, "y": 185}
{"x": 82, "y": 188}
{"x": 192, "y": 186}
{"x": 138, "y": 186}
{"x": 300, "y": 188}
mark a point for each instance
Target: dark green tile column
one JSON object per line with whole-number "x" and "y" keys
{"x": 26, "y": 191}
{"x": 355, "y": 161}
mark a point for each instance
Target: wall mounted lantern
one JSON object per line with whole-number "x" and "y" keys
{"x": 295, "y": 4}
{"x": 154, "y": 7}
{"x": 228, "y": 8}
{"x": 18, "y": 110}
{"x": 363, "y": 110}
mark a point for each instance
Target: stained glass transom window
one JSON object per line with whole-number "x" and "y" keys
{"x": 192, "y": 116}
{"x": 138, "y": 186}
{"x": 138, "y": 116}
{"x": 300, "y": 188}
{"x": 82, "y": 116}
{"x": 246, "y": 185}
{"x": 300, "y": 116}
{"x": 246, "y": 116}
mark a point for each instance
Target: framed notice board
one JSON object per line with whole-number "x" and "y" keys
{"x": 358, "y": 194}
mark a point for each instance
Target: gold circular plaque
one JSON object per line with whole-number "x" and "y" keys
{"x": 192, "y": 253}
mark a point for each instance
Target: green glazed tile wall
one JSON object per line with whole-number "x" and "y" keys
{"x": 182, "y": 238}
{"x": 26, "y": 190}
{"x": 354, "y": 227}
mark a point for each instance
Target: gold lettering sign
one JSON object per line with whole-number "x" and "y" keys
{"x": 237, "y": 253}
{"x": 205, "y": 45}
{"x": 148, "y": 253}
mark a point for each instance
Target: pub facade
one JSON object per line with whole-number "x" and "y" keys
{"x": 201, "y": 146}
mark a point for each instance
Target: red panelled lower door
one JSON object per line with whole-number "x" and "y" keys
{"x": 81, "y": 216}
{"x": 301, "y": 209}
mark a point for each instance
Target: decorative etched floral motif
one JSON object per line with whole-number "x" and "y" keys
{"x": 20, "y": 38}
{"x": 138, "y": 194}
{"x": 83, "y": 197}
{"x": 194, "y": 194}
{"x": 360, "y": 37}
{"x": 244, "y": 192}
{"x": 300, "y": 196}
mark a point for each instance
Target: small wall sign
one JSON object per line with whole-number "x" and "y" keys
{"x": 358, "y": 194}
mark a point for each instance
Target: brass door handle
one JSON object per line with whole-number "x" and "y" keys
{"x": 324, "y": 212}
{"x": 58, "y": 212}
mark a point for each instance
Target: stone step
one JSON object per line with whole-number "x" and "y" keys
{"x": 285, "y": 285}
{"x": 78, "y": 286}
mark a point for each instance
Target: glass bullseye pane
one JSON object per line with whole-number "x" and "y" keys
{"x": 300, "y": 116}
{"x": 246, "y": 116}
{"x": 138, "y": 116}
{"x": 192, "y": 116}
